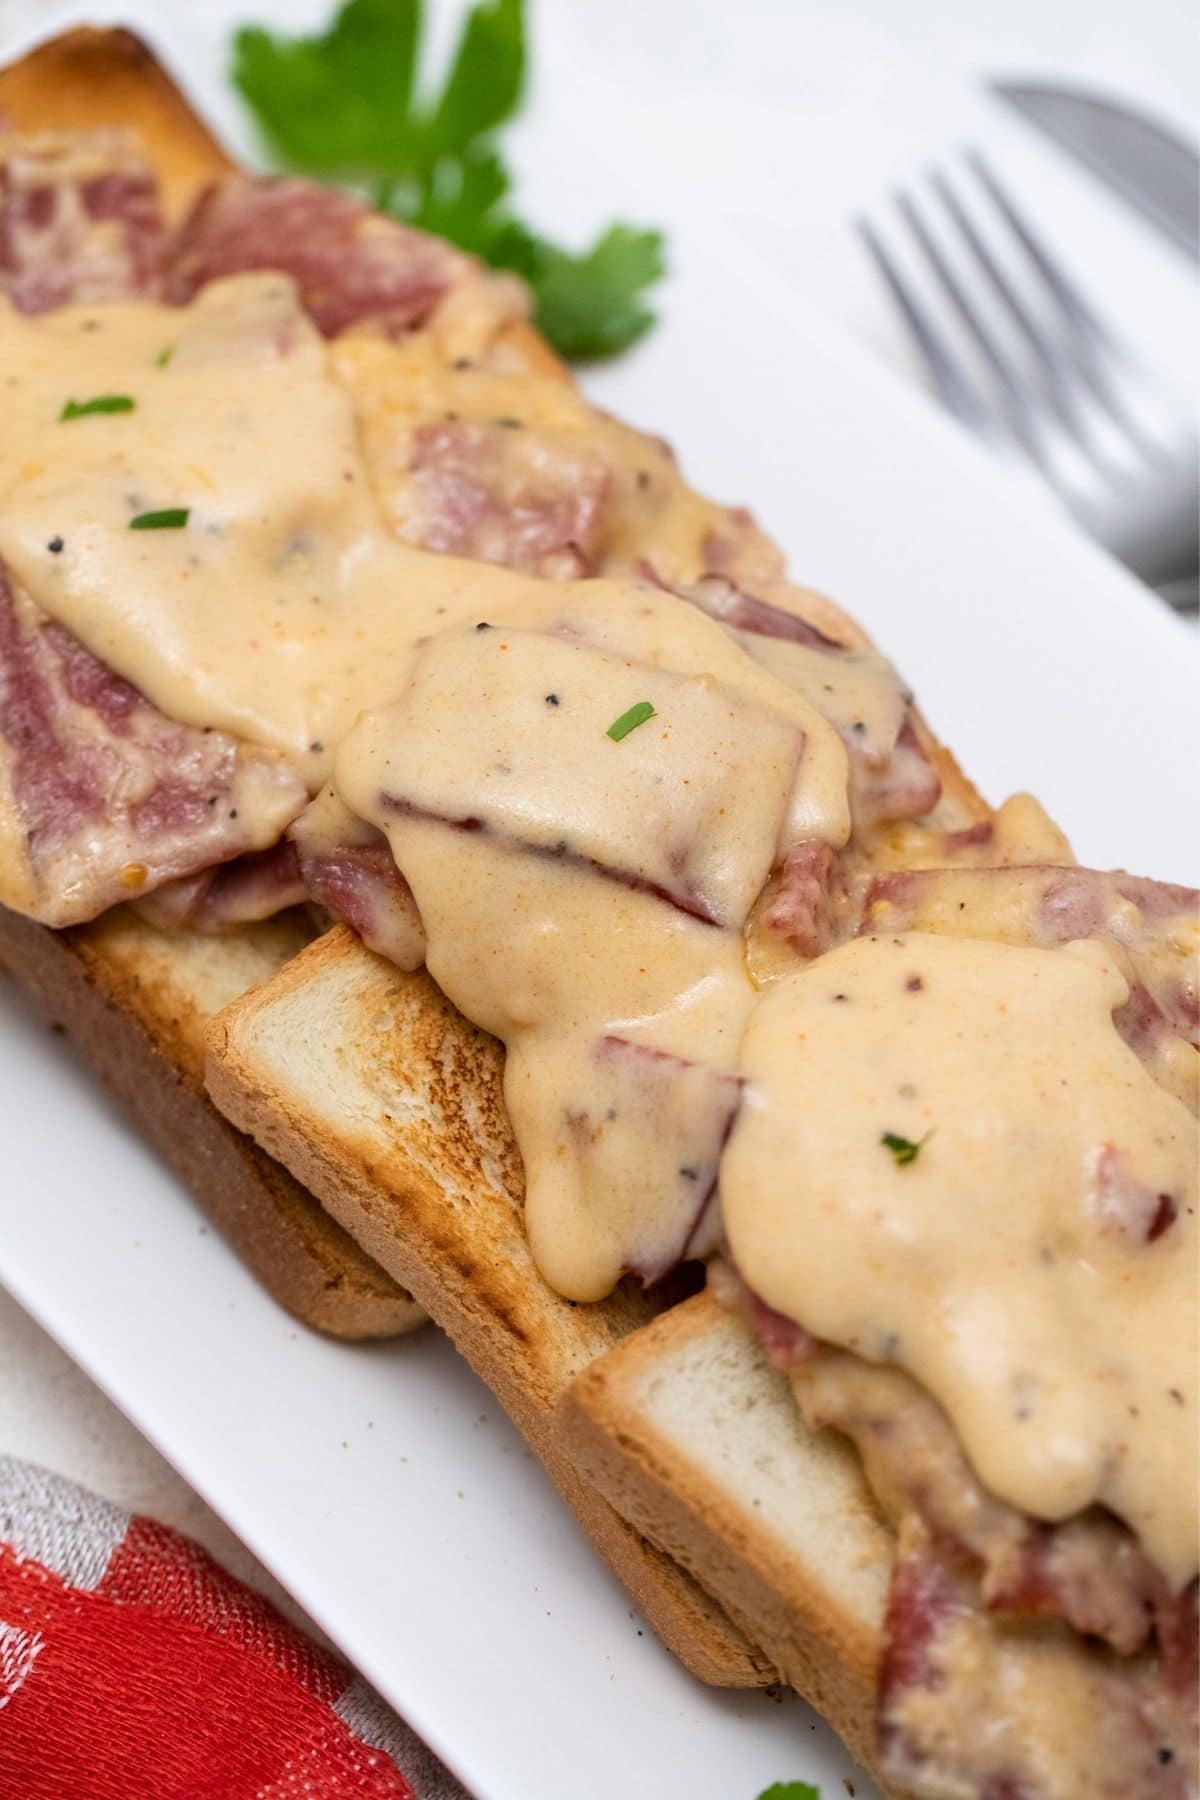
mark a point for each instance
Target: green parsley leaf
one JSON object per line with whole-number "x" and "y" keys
{"x": 345, "y": 104}
{"x": 486, "y": 77}
{"x": 340, "y": 102}
{"x": 592, "y": 305}
{"x": 103, "y": 403}
{"x": 791, "y": 1790}
{"x": 902, "y": 1148}
{"x": 164, "y": 356}
{"x": 170, "y": 518}
{"x": 629, "y": 721}
{"x": 461, "y": 201}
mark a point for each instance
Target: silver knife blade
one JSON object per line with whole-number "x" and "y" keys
{"x": 1150, "y": 166}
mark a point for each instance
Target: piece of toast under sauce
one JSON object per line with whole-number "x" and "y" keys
{"x": 379, "y": 1095}
{"x": 111, "y": 986}
{"x": 693, "y": 1435}
{"x": 136, "y": 1002}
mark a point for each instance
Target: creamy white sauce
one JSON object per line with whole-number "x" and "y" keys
{"x": 577, "y": 889}
{"x": 995, "y": 1265}
{"x": 586, "y": 899}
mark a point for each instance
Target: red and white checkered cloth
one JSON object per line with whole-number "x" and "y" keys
{"x": 132, "y": 1667}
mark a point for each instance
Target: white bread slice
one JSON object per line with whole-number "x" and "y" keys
{"x": 380, "y": 1097}
{"x": 136, "y": 1001}
{"x": 695, "y": 1438}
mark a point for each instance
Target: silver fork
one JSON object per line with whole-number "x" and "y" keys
{"x": 1054, "y": 387}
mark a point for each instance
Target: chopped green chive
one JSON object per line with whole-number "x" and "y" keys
{"x": 164, "y": 356}
{"x": 103, "y": 403}
{"x": 902, "y": 1148}
{"x": 171, "y": 518}
{"x": 629, "y": 721}
{"x": 790, "y": 1790}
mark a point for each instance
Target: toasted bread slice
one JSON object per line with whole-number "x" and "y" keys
{"x": 136, "y": 1002}
{"x": 376, "y": 1092}
{"x": 695, "y": 1438}
{"x": 133, "y": 1000}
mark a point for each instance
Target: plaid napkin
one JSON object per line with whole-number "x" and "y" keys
{"x": 131, "y": 1664}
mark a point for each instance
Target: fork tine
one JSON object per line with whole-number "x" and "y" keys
{"x": 1015, "y": 402}
{"x": 1020, "y": 313}
{"x": 1048, "y": 266}
{"x": 1089, "y": 343}
{"x": 956, "y": 392}
{"x": 1060, "y": 370}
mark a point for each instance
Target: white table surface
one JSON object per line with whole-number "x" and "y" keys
{"x": 781, "y": 118}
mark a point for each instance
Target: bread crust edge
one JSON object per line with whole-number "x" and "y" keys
{"x": 135, "y": 1034}
{"x": 788, "y": 1606}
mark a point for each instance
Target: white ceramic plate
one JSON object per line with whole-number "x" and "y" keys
{"x": 381, "y": 1485}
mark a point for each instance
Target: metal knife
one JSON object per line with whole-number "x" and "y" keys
{"x": 1149, "y": 165}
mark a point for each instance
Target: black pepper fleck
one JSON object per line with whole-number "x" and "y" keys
{"x": 511, "y": 424}
{"x": 689, "y": 1174}
{"x": 462, "y": 362}
{"x": 914, "y": 984}
{"x": 643, "y": 478}
{"x": 55, "y": 546}
{"x": 1165, "y": 1756}
{"x": 233, "y": 813}
{"x": 483, "y": 625}
{"x": 551, "y": 699}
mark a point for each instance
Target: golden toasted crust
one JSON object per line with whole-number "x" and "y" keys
{"x": 696, "y": 1439}
{"x": 94, "y": 77}
{"x": 370, "y": 1086}
{"x": 136, "y": 1003}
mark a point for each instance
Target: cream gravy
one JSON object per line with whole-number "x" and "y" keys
{"x": 1007, "y": 1247}
{"x": 584, "y": 892}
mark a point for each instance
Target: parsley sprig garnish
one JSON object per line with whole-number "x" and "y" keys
{"x": 167, "y": 518}
{"x": 630, "y": 720}
{"x": 103, "y": 403}
{"x": 345, "y": 105}
{"x": 902, "y": 1148}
